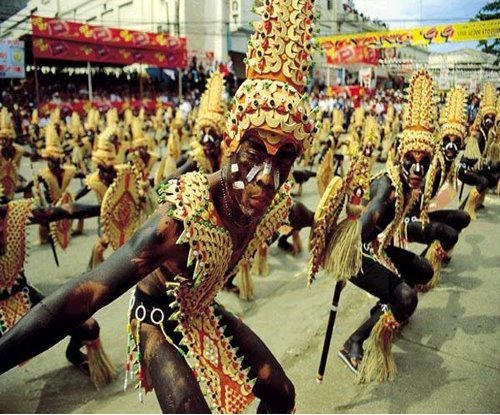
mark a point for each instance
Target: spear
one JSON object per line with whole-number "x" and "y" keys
{"x": 329, "y": 330}
{"x": 38, "y": 192}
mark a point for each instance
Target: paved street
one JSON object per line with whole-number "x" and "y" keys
{"x": 448, "y": 356}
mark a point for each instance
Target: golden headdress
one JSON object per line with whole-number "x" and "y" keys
{"x": 338, "y": 121}
{"x": 418, "y": 121}
{"x": 390, "y": 113}
{"x": 111, "y": 117}
{"x": 55, "y": 116}
{"x": 91, "y": 121}
{"x": 105, "y": 153}
{"x": 359, "y": 117}
{"x": 128, "y": 116}
{"x": 278, "y": 63}
{"x": 76, "y": 124}
{"x": 488, "y": 99}
{"x": 6, "y": 130}
{"x": 211, "y": 111}
{"x": 371, "y": 132}
{"x": 138, "y": 137}
{"x": 142, "y": 114}
{"x": 52, "y": 148}
{"x": 34, "y": 117}
{"x": 454, "y": 114}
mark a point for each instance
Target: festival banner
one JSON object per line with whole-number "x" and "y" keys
{"x": 92, "y": 52}
{"x": 82, "y": 32}
{"x": 353, "y": 55}
{"x": 455, "y": 32}
{"x": 105, "y": 44}
{"x": 12, "y": 59}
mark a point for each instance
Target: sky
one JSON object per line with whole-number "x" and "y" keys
{"x": 415, "y": 13}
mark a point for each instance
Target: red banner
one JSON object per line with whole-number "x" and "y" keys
{"x": 79, "y": 51}
{"x": 57, "y": 39}
{"x": 351, "y": 91}
{"x": 352, "y": 55}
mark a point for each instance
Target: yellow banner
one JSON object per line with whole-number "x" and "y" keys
{"x": 456, "y": 32}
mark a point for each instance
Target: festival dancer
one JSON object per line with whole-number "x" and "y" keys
{"x": 428, "y": 223}
{"x": 205, "y": 154}
{"x": 386, "y": 271}
{"x": 18, "y": 296}
{"x": 55, "y": 180}
{"x": 206, "y": 226}
{"x": 117, "y": 189}
{"x": 10, "y": 159}
{"x": 474, "y": 168}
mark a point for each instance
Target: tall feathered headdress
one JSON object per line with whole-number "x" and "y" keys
{"x": 105, "y": 153}
{"x": 418, "y": 116}
{"x": 338, "y": 121}
{"x": 488, "y": 99}
{"x": 278, "y": 63}
{"x": 211, "y": 111}
{"x": 454, "y": 114}
{"x": 5, "y": 124}
{"x": 52, "y": 148}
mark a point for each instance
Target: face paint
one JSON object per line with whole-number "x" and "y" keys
{"x": 239, "y": 185}
{"x": 450, "y": 147}
{"x": 267, "y": 168}
{"x": 253, "y": 172}
{"x": 414, "y": 167}
{"x": 207, "y": 138}
{"x": 276, "y": 179}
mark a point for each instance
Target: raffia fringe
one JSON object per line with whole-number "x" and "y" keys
{"x": 435, "y": 256}
{"x": 101, "y": 369}
{"x": 98, "y": 253}
{"x": 325, "y": 172}
{"x": 343, "y": 252}
{"x": 245, "y": 282}
{"x": 472, "y": 150}
{"x": 471, "y": 205}
{"x": 378, "y": 363}
{"x": 495, "y": 154}
{"x": 260, "y": 265}
{"x": 297, "y": 242}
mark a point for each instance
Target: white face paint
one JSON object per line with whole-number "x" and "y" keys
{"x": 253, "y": 172}
{"x": 239, "y": 185}
{"x": 267, "y": 168}
{"x": 276, "y": 179}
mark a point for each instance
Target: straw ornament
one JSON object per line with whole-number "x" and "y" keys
{"x": 278, "y": 63}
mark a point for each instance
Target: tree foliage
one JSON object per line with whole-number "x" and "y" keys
{"x": 489, "y": 12}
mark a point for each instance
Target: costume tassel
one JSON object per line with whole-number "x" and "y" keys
{"x": 101, "y": 368}
{"x": 297, "y": 242}
{"x": 343, "y": 252}
{"x": 245, "y": 282}
{"x": 471, "y": 204}
{"x": 325, "y": 172}
{"x": 435, "y": 255}
{"x": 472, "y": 150}
{"x": 378, "y": 363}
{"x": 97, "y": 253}
{"x": 260, "y": 265}
{"x": 494, "y": 156}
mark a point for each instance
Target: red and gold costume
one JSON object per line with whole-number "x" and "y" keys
{"x": 15, "y": 293}
{"x": 56, "y": 187}
{"x": 10, "y": 156}
{"x": 271, "y": 99}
